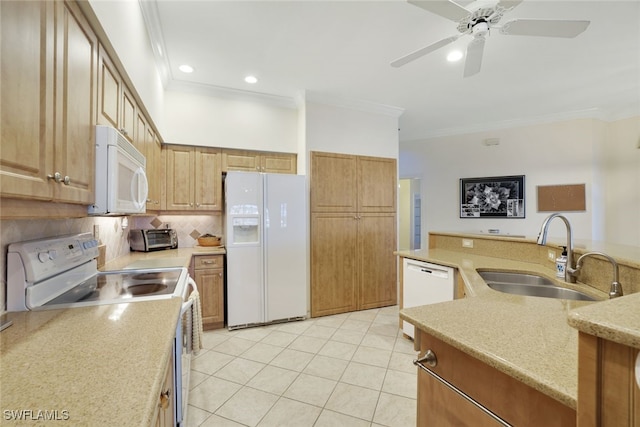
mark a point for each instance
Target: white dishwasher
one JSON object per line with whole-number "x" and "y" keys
{"x": 425, "y": 283}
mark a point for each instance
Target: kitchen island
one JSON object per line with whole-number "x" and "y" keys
{"x": 527, "y": 338}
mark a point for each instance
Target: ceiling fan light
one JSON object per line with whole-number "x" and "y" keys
{"x": 454, "y": 56}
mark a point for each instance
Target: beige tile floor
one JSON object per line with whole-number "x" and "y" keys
{"x": 352, "y": 369}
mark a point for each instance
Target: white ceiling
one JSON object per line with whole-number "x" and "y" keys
{"x": 342, "y": 50}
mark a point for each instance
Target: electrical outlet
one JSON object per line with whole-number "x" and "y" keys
{"x": 467, "y": 243}
{"x": 551, "y": 255}
{"x": 96, "y": 231}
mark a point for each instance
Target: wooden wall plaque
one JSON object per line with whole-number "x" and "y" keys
{"x": 554, "y": 198}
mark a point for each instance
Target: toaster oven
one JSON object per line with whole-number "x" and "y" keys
{"x": 152, "y": 239}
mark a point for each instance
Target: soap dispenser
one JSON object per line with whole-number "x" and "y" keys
{"x": 561, "y": 263}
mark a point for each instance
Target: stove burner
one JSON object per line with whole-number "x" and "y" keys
{"x": 145, "y": 289}
{"x": 149, "y": 276}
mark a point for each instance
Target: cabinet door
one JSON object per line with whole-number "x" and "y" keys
{"x": 440, "y": 406}
{"x": 333, "y": 263}
{"x": 240, "y": 160}
{"x": 208, "y": 179}
{"x": 377, "y": 272}
{"x": 333, "y": 182}
{"x": 179, "y": 182}
{"x": 109, "y": 89}
{"x": 377, "y": 184}
{"x": 128, "y": 119}
{"x": 26, "y": 112}
{"x": 76, "y": 100}
{"x": 278, "y": 163}
{"x": 211, "y": 288}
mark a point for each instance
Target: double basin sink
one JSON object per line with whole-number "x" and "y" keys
{"x": 529, "y": 285}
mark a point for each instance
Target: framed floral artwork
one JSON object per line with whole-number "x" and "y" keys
{"x": 492, "y": 197}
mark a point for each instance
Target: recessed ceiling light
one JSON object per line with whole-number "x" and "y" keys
{"x": 454, "y": 55}
{"x": 251, "y": 79}
{"x": 186, "y": 68}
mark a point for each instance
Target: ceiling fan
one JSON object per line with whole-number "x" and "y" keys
{"x": 478, "y": 19}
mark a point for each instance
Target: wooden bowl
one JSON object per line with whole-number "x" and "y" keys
{"x": 209, "y": 241}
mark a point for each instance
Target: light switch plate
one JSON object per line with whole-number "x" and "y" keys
{"x": 551, "y": 255}
{"x": 467, "y": 243}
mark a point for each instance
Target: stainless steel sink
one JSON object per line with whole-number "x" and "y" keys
{"x": 529, "y": 285}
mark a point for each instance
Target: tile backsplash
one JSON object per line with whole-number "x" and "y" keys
{"x": 113, "y": 232}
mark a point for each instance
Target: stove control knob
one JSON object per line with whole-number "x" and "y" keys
{"x": 46, "y": 256}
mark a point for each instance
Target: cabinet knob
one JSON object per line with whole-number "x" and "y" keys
{"x": 428, "y": 359}
{"x": 57, "y": 177}
{"x": 164, "y": 399}
{"x": 66, "y": 180}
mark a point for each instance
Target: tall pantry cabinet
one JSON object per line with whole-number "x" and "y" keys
{"x": 353, "y": 233}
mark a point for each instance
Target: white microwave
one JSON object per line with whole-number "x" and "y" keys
{"x": 121, "y": 181}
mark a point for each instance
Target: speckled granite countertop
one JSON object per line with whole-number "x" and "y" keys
{"x": 180, "y": 257}
{"x": 615, "y": 320}
{"x": 101, "y": 365}
{"x": 527, "y": 338}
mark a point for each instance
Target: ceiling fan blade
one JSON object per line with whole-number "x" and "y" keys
{"x": 509, "y": 4}
{"x": 473, "y": 61}
{"x": 444, "y": 8}
{"x": 424, "y": 50}
{"x": 544, "y": 28}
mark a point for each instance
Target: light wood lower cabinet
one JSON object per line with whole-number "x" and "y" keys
{"x": 608, "y": 395}
{"x": 353, "y": 266}
{"x": 165, "y": 411}
{"x": 511, "y": 400}
{"x": 208, "y": 272}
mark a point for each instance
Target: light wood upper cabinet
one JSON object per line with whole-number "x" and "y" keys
{"x": 333, "y": 182}
{"x": 377, "y": 184}
{"x": 49, "y": 74}
{"x": 109, "y": 90}
{"x": 347, "y": 183}
{"x": 258, "y": 161}
{"x": 76, "y": 100}
{"x": 193, "y": 178}
{"x": 129, "y": 117}
{"x": 26, "y": 112}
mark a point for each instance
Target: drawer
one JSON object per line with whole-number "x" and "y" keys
{"x": 208, "y": 261}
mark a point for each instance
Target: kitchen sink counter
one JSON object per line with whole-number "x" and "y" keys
{"x": 180, "y": 257}
{"x": 527, "y": 338}
{"x": 616, "y": 320}
{"x": 100, "y": 365}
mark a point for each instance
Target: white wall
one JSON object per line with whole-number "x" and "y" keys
{"x": 621, "y": 168}
{"x": 124, "y": 25}
{"x": 347, "y": 130}
{"x": 567, "y": 152}
{"x": 217, "y": 121}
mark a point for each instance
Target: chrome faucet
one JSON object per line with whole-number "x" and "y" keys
{"x": 616, "y": 287}
{"x": 569, "y": 272}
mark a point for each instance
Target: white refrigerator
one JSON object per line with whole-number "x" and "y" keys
{"x": 266, "y": 240}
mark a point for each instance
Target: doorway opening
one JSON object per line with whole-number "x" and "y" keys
{"x": 410, "y": 213}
